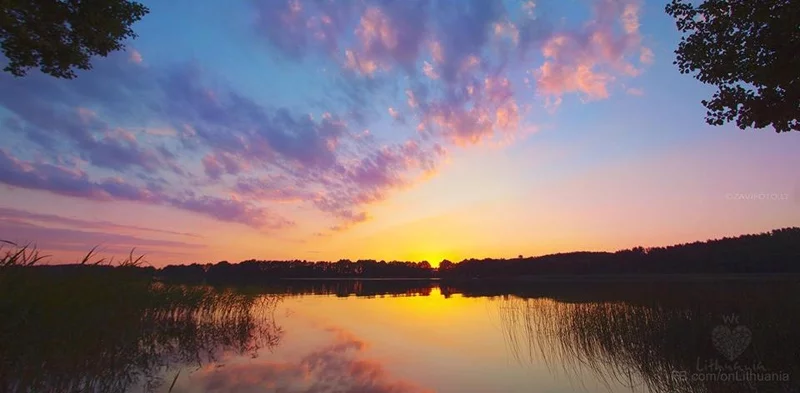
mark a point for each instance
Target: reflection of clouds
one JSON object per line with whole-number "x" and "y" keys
{"x": 339, "y": 367}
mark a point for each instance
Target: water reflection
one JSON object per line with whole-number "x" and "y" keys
{"x": 341, "y": 364}
{"x": 345, "y": 288}
{"x": 107, "y": 335}
{"x": 701, "y": 337}
{"x": 103, "y": 333}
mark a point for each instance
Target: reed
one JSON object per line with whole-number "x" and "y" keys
{"x": 100, "y": 326}
{"x": 641, "y": 344}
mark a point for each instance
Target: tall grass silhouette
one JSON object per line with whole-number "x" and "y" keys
{"x": 642, "y": 344}
{"x": 98, "y": 327}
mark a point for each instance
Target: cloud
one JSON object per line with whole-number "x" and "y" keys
{"x": 480, "y": 111}
{"x": 392, "y": 34}
{"x": 232, "y": 210}
{"x": 342, "y": 366}
{"x": 135, "y": 56}
{"x": 217, "y": 164}
{"x": 396, "y": 115}
{"x": 369, "y": 179}
{"x": 229, "y": 134}
{"x": 454, "y": 62}
{"x": 66, "y": 181}
{"x": 22, "y": 230}
{"x": 646, "y": 56}
{"x": 588, "y": 60}
{"x": 443, "y": 74}
{"x": 298, "y": 28}
{"x": 105, "y": 226}
{"x": 271, "y": 188}
{"x": 76, "y": 183}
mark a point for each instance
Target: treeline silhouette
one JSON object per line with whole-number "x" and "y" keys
{"x": 257, "y": 272}
{"x": 773, "y": 252}
{"x": 777, "y": 251}
{"x": 347, "y": 288}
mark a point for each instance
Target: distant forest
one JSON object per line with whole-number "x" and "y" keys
{"x": 772, "y": 252}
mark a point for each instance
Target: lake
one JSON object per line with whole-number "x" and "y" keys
{"x": 414, "y": 336}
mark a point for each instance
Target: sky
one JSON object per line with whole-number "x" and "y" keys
{"x": 378, "y": 129}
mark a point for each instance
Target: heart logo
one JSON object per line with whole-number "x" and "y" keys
{"x": 731, "y": 342}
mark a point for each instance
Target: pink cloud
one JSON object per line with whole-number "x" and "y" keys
{"x": 87, "y": 116}
{"x": 557, "y": 79}
{"x": 630, "y": 18}
{"x": 355, "y": 62}
{"x": 396, "y": 115}
{"x": 588, "y": 61}
{"x": 376, "y": 30}
{"x": 388, "y": 35}
{"x": 487, "y": 109}
{"x": 437, "y": 53}
{"x": 411, "y": 98}
{"x": 646, "y": 56}
{"x": 135, "y": 57}
{"x": 219, "y": 163}
{"x": 427, "y": 69}
{"x": 506, "y": 30}
{"x": 529, "y": 7}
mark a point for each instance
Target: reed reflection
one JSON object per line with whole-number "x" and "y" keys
{"x": 705, "y": 338}
{"x": 106, "y": 331}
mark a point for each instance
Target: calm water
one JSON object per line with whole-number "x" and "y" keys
{"x": 422, "y": 337}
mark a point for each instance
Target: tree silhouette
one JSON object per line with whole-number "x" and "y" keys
{"x": 58, "y": 36}
{"x": 748, "y": 50}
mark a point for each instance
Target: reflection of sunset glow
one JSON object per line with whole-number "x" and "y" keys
{"x": 424, "y": 307}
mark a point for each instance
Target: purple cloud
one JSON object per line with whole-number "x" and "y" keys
{"x": 298, "y": 28}
{"x": 22, "y": 230}
{"x": 106, "y": 226}
{"x": 66, "y": 181}
{"x": 47, "y": 112}
{"x": 76, "y": 183}
{"x": 272, "y": 188}
{"x": 232, "y": 210}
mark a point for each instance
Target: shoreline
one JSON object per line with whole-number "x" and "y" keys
{"x": 576, "y": 278}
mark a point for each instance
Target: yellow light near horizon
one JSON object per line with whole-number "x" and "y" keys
{"x": 434, "y": 258}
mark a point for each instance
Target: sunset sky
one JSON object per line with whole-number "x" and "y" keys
{"x": 408, "y": 130}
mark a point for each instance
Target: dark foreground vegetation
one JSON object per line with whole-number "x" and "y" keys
{"x": 662, "y": 339}
{"x": 97, "y": 328}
